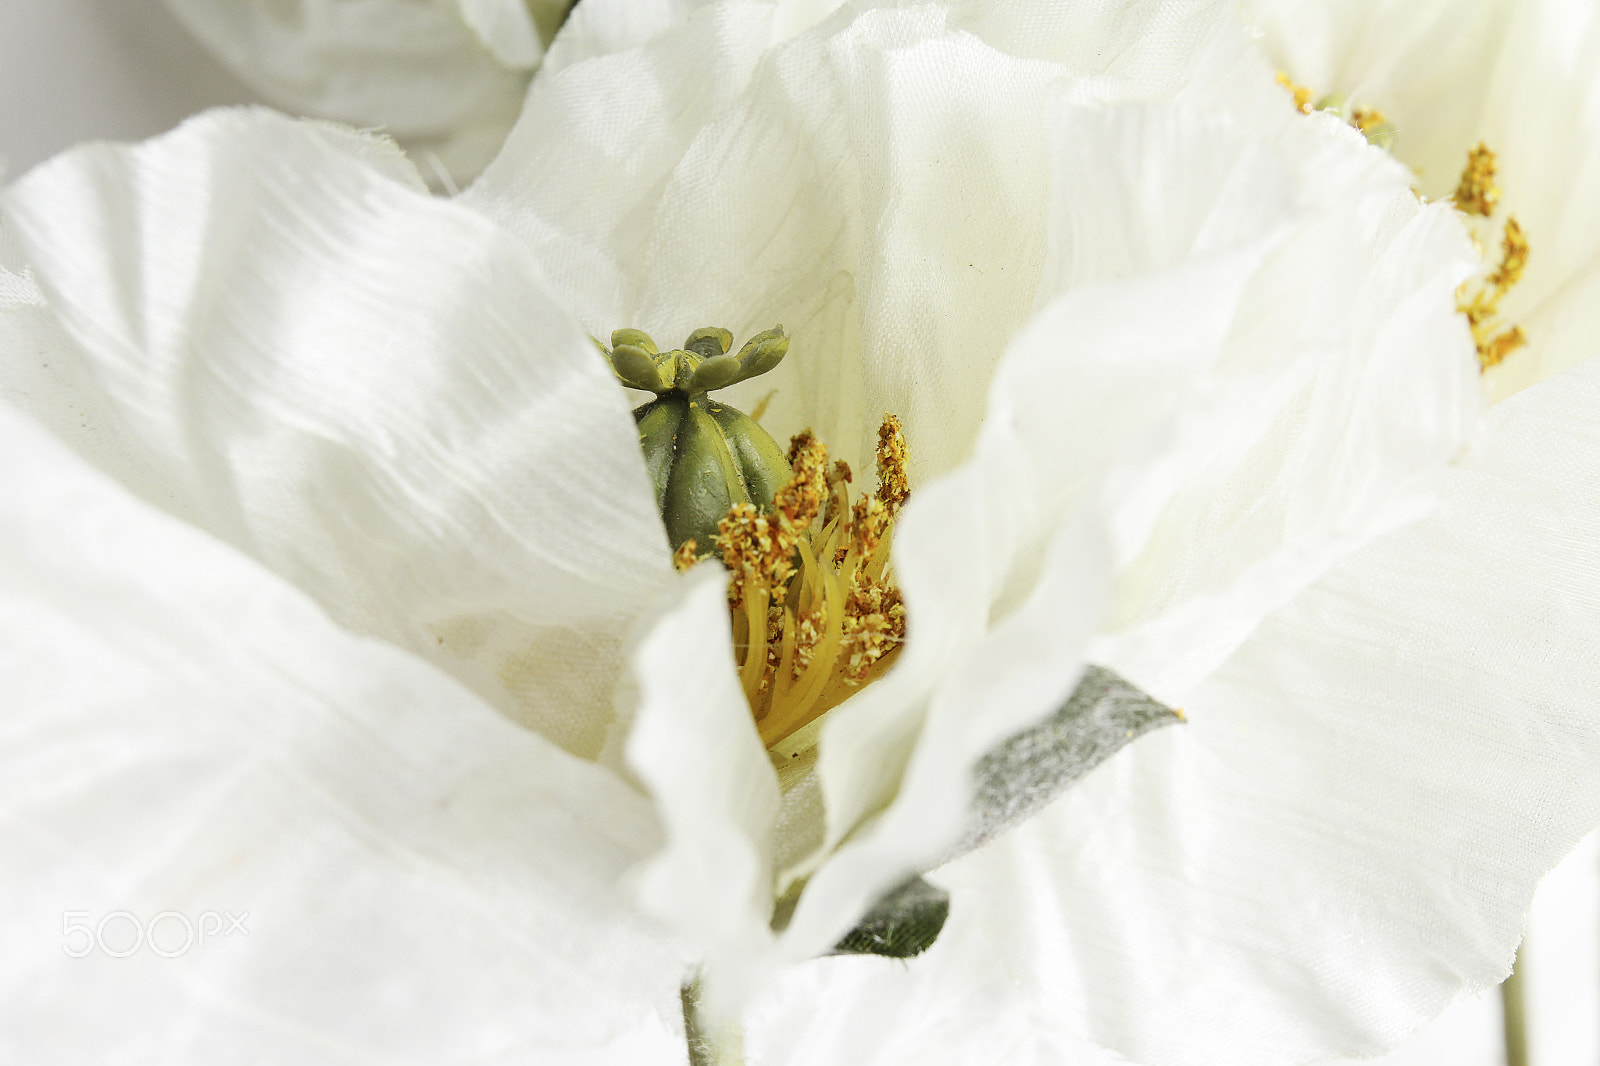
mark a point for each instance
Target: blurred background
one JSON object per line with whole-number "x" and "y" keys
{"x": 78, "y": 70}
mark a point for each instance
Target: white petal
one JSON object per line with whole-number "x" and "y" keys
{"x": 365, "y": 388}
{"x": 1345, "y": 386}
{"x": 708, "y": 174}
{"x": 953, "y": 1006}
{"x": 1542, "y": 113}
{"x": 184, "y": 732}
{"x": 413, "y": 67}
{"x": 1349, "y": 830}
{"x": 695, "y": 746}
{"x": 1003, "y": 581}
{"x": 43, "y": 373}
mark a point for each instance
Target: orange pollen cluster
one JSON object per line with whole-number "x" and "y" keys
{"x": 816, "y": 613}
{"x": 1479, "y": 299}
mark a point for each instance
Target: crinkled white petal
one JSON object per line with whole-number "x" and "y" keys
{"x": 1351, "y": 825}
{"x": 695, "y": 747}
{"x": 1006, "y": 579}
{"x": 444, "y": 76}
{"x": 955, "y": 1005}
{"x": 1345, "y": 385}
{"x": 1515, "y": 74}
{"x": 832, "y": 182}
{"x": 368, "y": 389}
{"x": 184, "y": 734}
{"x": 43, "y": 373}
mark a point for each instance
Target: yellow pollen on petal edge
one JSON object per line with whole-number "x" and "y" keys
{"x": 1477, "y": 195}
{"x": 1373, "y": 124}
{"x": 816, "y": 613}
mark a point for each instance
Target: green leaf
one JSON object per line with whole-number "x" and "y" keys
{"x": 902, "y": 924}
{"x": 1029, "y": 769}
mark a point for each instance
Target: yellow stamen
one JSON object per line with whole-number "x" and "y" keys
{"x": 1302, "y": 95}
{"x": 1477, "y": 194}
{"x": 892, "y": 485}
{"x": 1493, "y": 351}
{"x": 1365, "y": 118}
{"x": 815, "y": 610}
{"x": 685, "y": 556}
{"x": 1513, "y": 256}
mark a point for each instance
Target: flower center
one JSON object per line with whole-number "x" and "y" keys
{"x": 815, "y": 610}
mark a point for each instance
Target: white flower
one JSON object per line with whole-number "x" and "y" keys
{"x": 1167, "y": 353}
{"x": 1516, "y": 76}
{"x": 445, "y": 77}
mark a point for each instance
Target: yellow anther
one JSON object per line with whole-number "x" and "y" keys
{"x": 1367, "y": 119}
{"x": 869, "y": 521}
{"x": 800, "y": 501}
{"x": 892, "y": 485}
{"x": 1302, "y": 95}
{"x": 1494, "y": 351}
{"x": 1513, "y": 256}
{"x": 815, "y": 609}
{"x": 685, "y": 556}
{"x": 1476, "y": 193}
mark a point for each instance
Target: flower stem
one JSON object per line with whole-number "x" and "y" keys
{"x": 1512, "y": 1007}
{"x": 712, "y": 1042}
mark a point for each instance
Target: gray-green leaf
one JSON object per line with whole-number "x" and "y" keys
{"x": 902, "y": 924}
{"x": 1012, "y": 782}
{"x": 1029, "y": 769}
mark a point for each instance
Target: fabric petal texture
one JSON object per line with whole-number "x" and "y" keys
{"x": 364, "y": 387}
{"x": 187, "y": 735}
{"x": 1178, "y": 907}
{"x": 694, "y": 745}
{"x": 1404, "y": 680}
